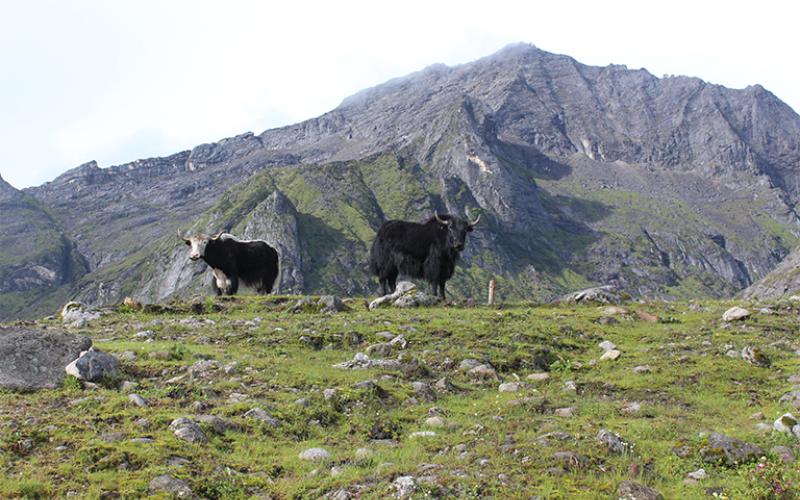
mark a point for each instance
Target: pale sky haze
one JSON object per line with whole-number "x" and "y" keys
{"x": 115, "y": 81}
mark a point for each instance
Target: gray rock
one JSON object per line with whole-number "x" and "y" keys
{"x": 785, "y": 423}
{"x": 364, "y": 454}
{"x": 510, "y": 387}
{"x": 755, "y": 356}
{"x": 698, "y": 475}
{"x": 483, "y": 372}
{"x": 729, "y": 451}
{"x": 607, "y": 294}
{"x": 331, "y": 303}
{"x": 469, "y": 364}
{"x": 784, "y": 454}
{"x": 76, "y": 315}
{"x": 178, "y": 488}
{"x": 186, "y": 429}
{"x": 607, "y": 345}
{"x": 641, "y": 369}
{"x": 422, "y": 434}
{"x": 380, "y": 350}
{"x": 614, "y": 443}
{"x": 735, "y": 314}
{"x": 424, "y": 391}
{"x": 263, "y": 416}
{"x": 138, "y": 400}
{"x": 791, "y": 398}
{"x": 405, "y": 486}
{"x": 538, "y": 377}
{"x": 94, "y": 366}
{"x": 33, "y": 359}
{"x": 218, "y": 424}
{"x": 631, "y": 490}
{"x": 315, "y": 454}
{"x": 435, "y": 421}
{"x": 610, "y": 355}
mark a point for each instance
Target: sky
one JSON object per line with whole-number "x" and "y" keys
{"x": 84, "y": 80}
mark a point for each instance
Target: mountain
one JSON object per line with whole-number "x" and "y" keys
{"x": 665, "y": 187}
{"x": 38, "y": 261}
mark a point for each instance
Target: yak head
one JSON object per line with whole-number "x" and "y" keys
{"x": 198, "y": 243}
{"x": 457, "y": 230}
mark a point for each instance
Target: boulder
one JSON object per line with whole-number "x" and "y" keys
{"x": 735, "y": 314}
{"x": 607, "y": 294}
{"x": 188, "y": 430}
{"x": 32, "y": 359}
{"x": 406, "y": 294}
{"x": 331, "y": 303}
{"x": 94, "y": 366}
{"x": 729, "y": 451}
{"x": 631, "y": 490}
{"x": 75, "y": 315}
{"x": 177, "y": 488}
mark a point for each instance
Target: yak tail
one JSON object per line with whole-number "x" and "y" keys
{"x": 276, "y": 283}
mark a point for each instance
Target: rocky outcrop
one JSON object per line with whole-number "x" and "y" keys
{"x": 781, "y": 282}
{"x": 33, "y": 359}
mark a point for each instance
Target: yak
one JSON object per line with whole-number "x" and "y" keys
{"x": 252, "y": 262}
{"x": 428, "y": 250}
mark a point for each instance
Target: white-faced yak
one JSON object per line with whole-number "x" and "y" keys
{"x": 428, "y": 250}
{"x": 252, "y": 262}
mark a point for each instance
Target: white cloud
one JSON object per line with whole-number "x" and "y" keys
{"x": 117, "y": 81}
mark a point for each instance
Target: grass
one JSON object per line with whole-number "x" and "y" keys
{"x": 490, "y": 445}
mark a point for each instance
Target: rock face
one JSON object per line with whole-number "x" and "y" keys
{"x": 35, "y": 359}
{"x": 609, "y": 175}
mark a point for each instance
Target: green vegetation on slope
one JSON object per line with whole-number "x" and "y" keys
{"x": 250, "y": 352}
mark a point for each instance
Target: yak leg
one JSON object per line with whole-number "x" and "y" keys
{"x": 215, "y": 287}
{"x": 441, "y": 290}
{"x": 233, "y": 284}
{"x": 392, "y": 279}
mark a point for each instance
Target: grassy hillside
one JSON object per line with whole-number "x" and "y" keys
{"x": 252, "y": 352}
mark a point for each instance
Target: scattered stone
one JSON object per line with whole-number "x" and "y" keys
{"x": 331, "y": 303}
{"x": 263, "y": 416}
{"x": 784, "y": 454}
{"x": 128, "y": 356}
{"x": 444, "y": 385}
{"x": 329, "y": 394}
{"x": 570, "y": 386}
{"x": 483, "y": 372}
{"x": 735, "y": 314}
{"x": 435, "y": 422}
{"x": 613, "y": 311}
{"x": 74, "y": 315}
{"x": 681, "y": 451}
{"x": 787, "y": 423}
{"x": 755, "y": 356}
{"x": 35, "y": 359}
{"x": 138, "y": 400}
{"x": 607, "y": 294}
{"x": 792, "y": 398}
{"x": 510, "y": 386}
{"x": 218, "y": 425}
{"x": 641, "y": 369}
{"x": 399, "y": 341}
{"x": 422, "y": 434}
{"x": 729, "y": 451}
{"x": 424, "y": 391}
{"x": 315, "y": 454}
{"x": 362, "y": 362}
{"x": 612, "y": 355}
{"x": 607, "y": 345}
{"x": 567, "y": 412}
{"x": 468, "y": 364}
{"x": 94, "y": 366}
{"x": 697, "y": 475}
{"x": 538, "y": 377}
{"x": 186, "y": 429}
{"x": 793, "y": 379}
{"x": 631, "y": 490}
{"x": 614, "y": 443}
{"x": 405, "y": 486}
{"x": 178, "y": 488}
{"x": 571, "y": 460}
{"x": 758, "y": 416}
{"x": 380, "y": 350}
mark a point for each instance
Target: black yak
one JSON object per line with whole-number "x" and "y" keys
{"x": 253, "y": 262}
{"x": 428, "y": 250}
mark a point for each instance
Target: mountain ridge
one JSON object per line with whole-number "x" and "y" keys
{"x": 664, "y": 187}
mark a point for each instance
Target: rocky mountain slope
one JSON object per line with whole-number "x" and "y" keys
{"x": 662, "y": 187}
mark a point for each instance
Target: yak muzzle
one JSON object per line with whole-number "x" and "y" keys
{"x": 194, "y": 257}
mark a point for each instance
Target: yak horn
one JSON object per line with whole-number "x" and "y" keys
{"x": 216, "y": 236}
{"x": 440, "y": 220}
{"x": 472, "y": 223}
{"x": 184, "y": 238}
